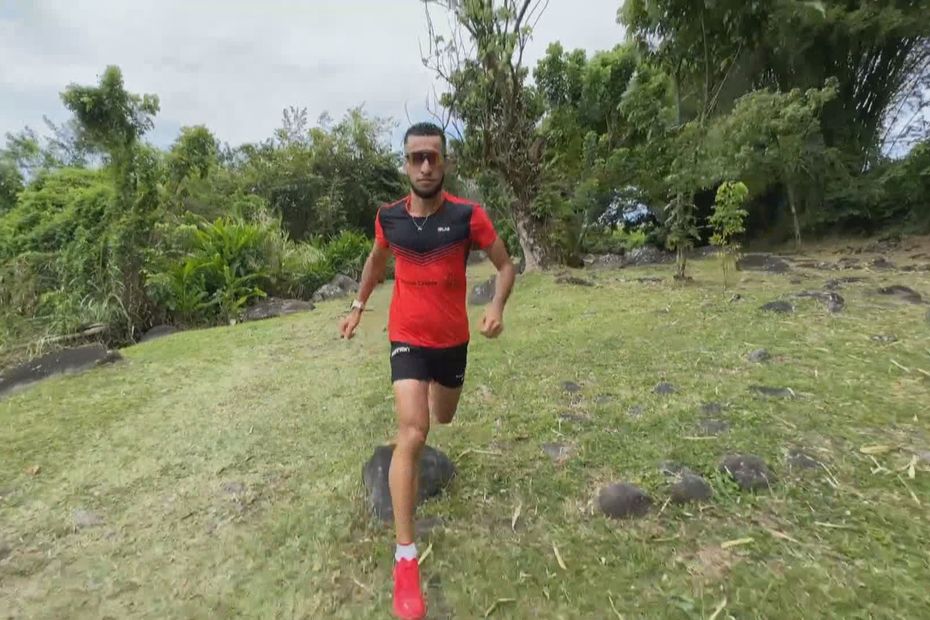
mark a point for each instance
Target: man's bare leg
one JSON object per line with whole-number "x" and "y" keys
{"x": 411, "y": 403}
{"x": 443, "y": 402}
{"x": 411, "y": 399}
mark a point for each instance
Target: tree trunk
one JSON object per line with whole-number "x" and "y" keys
{"x": 681, "y": 262}
{"x": 794, "y": 215}
{"x": 536, "y": 254}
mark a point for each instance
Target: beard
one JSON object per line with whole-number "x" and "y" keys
{"x": 431, "y": 193}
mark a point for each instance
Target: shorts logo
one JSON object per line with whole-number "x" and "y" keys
{"x": 399, "y": 350}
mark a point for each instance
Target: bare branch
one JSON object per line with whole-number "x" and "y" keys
{"x": 459, "y": 133}
{"x": 407, "y": 114}
{"x": 524, "y": 39}
{"x": 545, "y": 5}
{"x": 519, "y": 22}
{"x": 435, "y": 111}
{"x": 713, "y": 102}
{"x": 507, "y": 23}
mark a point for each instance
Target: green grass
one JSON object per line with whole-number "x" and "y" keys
{"x": 290, "y": 412}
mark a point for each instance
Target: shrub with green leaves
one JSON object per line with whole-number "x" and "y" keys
{"x": 290, "y": 263}
{"x": 347, "y": 252}
{"x": 728, "y": 219}
{"x": 343, "y": 254}
{"x": 62, "y": 253}
{"x": 728, "y": 222}
{"x": 681, "y": 224}
{"x": 614, "y": 241}
{"x": 224, "y": 267}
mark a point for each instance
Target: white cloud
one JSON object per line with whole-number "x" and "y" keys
{"x": 233, "y": 65}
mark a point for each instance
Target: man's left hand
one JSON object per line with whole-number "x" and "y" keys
{"x": 492, "y": 324}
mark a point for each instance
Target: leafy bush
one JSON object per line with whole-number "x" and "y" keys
{"x": 317, "y": 274}
{"x": 344, "y": 254}
{"x": 906, "y": 190}
{"x": 618, "y": 240}
{"x": 209, "y": 271}
{"x": 23, "y": 279}
{"x": 682, "y": 231}
{"x": 347, "y": 252}
{"x": 64, "y": 311}
{"x": 235, "y": 290}
{"x": 727, "y": 222}
{"x": 728, "y": 217}
{"x": 235, "y": 243}
{"x": 64, "y": 253}
{"x": 181, "y": 291}
{"x": 50, "y": 212}
{"x": 292, "y": 262}
{"x": 894, "y": 194}
{"x": 223, "y": 268}
{"x": 11, "y": 184}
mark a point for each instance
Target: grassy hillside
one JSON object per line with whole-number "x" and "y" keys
{"x": 218, "y": 473}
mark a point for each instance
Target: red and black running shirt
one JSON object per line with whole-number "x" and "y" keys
{"x": 428, "y": 303}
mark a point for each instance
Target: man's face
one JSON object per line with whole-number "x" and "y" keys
{"x": 424, "y": 165}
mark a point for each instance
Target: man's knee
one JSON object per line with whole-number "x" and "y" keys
{"x": 411, "y": 437}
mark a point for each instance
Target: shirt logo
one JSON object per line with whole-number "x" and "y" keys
{"x": 443, "y": 229}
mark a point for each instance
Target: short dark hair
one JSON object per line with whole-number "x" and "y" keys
{"x": 427, "y": 129}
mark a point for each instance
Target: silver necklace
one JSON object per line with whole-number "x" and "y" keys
{"x": 419, "y": 226}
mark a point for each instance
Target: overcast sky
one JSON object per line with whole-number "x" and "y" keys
{"x": 233, "y": 65}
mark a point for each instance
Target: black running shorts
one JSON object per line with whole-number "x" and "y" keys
{"x": 444, "y": 366}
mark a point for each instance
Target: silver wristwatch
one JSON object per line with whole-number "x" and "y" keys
{"x": 358, "y": 305}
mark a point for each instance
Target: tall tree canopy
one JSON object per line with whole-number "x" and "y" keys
{"x": 878, "y": 51}
{"x": 482, "y": 63}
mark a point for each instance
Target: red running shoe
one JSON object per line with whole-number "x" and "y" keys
{"x": 408, "y": 599}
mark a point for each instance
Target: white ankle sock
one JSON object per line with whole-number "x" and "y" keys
{"x": 405, "y": 552}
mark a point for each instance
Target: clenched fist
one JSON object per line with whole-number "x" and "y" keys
{"x": 492, "y": 324}
{"x": 349, "y": 323}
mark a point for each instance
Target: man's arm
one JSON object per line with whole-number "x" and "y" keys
{"x": 372, "y": 274}
{"x": 506, "y": 274}
{"x": 493, "y": 322}
{"x": 373, "y": 271}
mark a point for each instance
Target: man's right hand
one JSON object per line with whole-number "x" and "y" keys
{"x": 349, "y": 323}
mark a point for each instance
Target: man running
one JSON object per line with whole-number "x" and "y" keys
{"x": 430, "y": 232}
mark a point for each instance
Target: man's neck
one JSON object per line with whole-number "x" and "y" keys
{"x": 421, "y": 207}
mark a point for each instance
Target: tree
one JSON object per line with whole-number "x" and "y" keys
{"x": 483, "y": 66}
{"x": 295, "y": 128}
{"x": 771, "y": 131}
{"x": 322, "y": 179}
{"x": 64, "y": 144}
{"x": 690, "y": 170}
{"x": 24, "y": 151}
{"x": 879, "y": 52}
{"x": 608, "y": 126}
{"x": 110, "y": 117}
{"x": 113, "y": 120}
{"x": 727, "y": 221}
{"x": 11, "y": 184}
{"x": 31, "y": 153}
{"x": 194, "y": 153}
